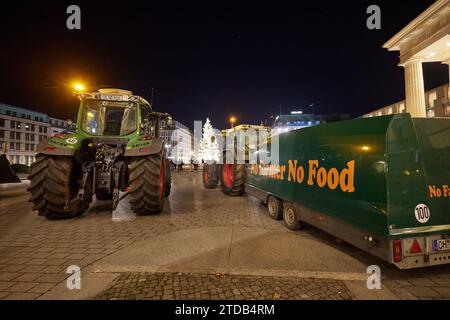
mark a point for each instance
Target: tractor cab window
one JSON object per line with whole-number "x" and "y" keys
{"x": 151, "y": 127}
{"x": 147, "y": 125}
{"x": 109, "y": 118}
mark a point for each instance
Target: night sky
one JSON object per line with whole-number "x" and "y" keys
{"x": 211, "y": 59}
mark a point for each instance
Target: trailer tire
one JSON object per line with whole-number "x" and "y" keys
{"x": 210, "y": 175}
{"x": 290, "y": 217}
{"x": 232, "y": 179}
{"x": 54, "y": 185}
{"x": 147, "y": 184}
{"x": 167, "y": 178}
{"x": 275, "y": 208}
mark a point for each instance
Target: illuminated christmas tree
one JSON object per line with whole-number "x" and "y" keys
{"x": 209, "y": 148}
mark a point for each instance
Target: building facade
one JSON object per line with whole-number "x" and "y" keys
{"x": 294, "y": 121}
{"x": 57, "y": 125}
{"x": 178, "y": 141}
{"x": 426, "y": 39}
{"x": 437, "y": 104}
{"x": 20, "y": 132}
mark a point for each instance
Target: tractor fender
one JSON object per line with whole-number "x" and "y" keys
{"x": 45, "y": 148}
{"x": 156, "y": 146}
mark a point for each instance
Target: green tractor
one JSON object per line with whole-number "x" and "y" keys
{"x": 115, "y": 147}
{"x": 232, "y": 174}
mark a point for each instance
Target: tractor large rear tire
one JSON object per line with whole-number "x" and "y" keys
{"x": 54, "y": 184}
{"x": 210, "y": 175}
{"x": 232, "y": 179}
{"x": 147, "y": 184}
{"x": 167, "y": 178}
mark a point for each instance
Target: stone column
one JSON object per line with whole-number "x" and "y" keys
{"x": 414, "y": 89}
{"x": 447, "y": 62}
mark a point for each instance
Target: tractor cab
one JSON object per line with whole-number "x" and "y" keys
{"x": 109, "y": 112}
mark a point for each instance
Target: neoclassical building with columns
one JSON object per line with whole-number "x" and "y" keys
{"x": 426, "y": 39}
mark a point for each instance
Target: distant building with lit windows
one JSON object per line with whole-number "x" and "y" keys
{"x": 57, "y": 125}
{"x": 178, "y": 141}
{"x": 437, "y": 104}
{"x": 20, "y": 131}
{"x": 297, "y": 120}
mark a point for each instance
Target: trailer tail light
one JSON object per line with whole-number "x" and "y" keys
{"x": 397, "y": 250}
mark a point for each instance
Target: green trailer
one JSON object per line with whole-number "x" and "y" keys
{"x": 380, "y": 184}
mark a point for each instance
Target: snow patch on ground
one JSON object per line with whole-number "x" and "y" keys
{"x": 123, "y": 211}
{"x": 14, "y": 186}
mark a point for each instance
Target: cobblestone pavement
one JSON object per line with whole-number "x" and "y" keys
{"x": 35, "y": 252}
{"x": 180, "y": 286}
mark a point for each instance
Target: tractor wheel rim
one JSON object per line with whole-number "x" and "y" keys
{"x": 290, "y": 216}
{"x": 161, "y": 180}
{"x": 272, "y": 207}
{"x": 228, "y": 175}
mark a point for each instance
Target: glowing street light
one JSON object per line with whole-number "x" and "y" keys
{"x": 79, "y": 87}
{"x": 232, "y": 121}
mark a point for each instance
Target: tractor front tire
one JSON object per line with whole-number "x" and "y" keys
{"x": 147, "y": 184}
{"x": 54, "y": 184}
{"x": 232, "y": 179}
{"x": 210, "y": 175}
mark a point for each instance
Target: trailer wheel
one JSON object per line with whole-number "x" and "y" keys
{"x": 275, "y": 208}
{"x": 54, "y": 185}
{"x": 232, "y": 179}
{"x": 290, "y": 217}
{"x": 167, "y": 178}
{"x": 210, "y": 175}
{"x": 147, "y": 184}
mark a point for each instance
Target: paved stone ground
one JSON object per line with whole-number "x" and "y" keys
{"x": 180, "y": 286}
{"x": 35, "y": 252}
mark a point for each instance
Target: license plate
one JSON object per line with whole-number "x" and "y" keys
{"x": 441, "y": 245}
{"x": 113, "y": 97}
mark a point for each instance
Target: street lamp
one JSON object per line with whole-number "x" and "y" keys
{"x": 232, "y": 121}
{"x": 78, "y": 87}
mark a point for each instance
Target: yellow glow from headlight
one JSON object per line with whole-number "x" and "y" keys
{"x": 365, "y": 148}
